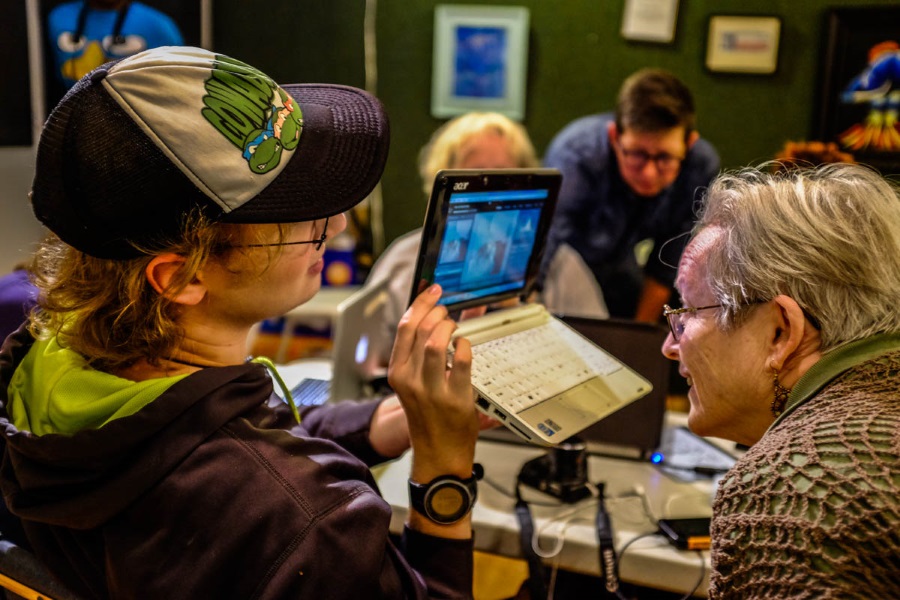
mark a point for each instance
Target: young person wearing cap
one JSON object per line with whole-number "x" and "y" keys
{"x": 630, "y": 176}
{"x": 190, "y": 197}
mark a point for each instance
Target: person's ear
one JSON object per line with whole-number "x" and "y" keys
{"x": 612, "y": 132}
{"x": 788, "y": 329}
{"x": 692, "y": 138}
{"x": 161, "y": 272}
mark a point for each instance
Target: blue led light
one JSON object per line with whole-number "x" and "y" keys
{"x": 656, "y": 458}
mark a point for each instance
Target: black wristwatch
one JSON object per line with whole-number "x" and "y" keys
{"x": 446, "y": 499}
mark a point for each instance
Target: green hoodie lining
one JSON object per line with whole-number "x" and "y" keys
{"x": 54, "y": 390}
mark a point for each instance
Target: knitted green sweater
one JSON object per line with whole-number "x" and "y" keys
{"x": 813, "y": 509}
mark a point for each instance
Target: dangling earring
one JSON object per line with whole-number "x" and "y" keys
{"x": 781, "y": 396}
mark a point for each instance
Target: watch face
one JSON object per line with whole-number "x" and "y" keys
{"x": 448, "y": 501}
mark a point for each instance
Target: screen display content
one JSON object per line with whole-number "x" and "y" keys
{"x": 487, "y": 243}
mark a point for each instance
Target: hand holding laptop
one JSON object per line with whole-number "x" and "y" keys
{"x": 439, "y": 406}
{"x": 482, "y": 241}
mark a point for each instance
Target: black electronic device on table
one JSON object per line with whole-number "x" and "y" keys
{"x": 690, "y": 533}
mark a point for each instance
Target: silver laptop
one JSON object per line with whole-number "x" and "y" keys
{"x": 482, "y": 241}
{"x": 359, "y": 344}
{"x": 635, "y": 430}
{"x": 354, "y": 371}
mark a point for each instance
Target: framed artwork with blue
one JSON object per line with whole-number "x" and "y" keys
{"x": 860, "y": 85}
{"x": 480, "y": 60}
{"x": 69, "y": 38}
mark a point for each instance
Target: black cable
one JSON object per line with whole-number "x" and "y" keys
{"x": 654, "y": 534}
{"x": 515, "y": 495}
{"x": 699, "y": 579}
{"x": 698, "y": 469}
{"x": 537, "y": 584}
{"x": 498, "y": 487}
{"x": 606, "y": 546}
{"x": 628, "y": 544}
{"x": 645, "y": 503}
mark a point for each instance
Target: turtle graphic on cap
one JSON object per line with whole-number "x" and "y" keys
{"x": 253, "y": 112}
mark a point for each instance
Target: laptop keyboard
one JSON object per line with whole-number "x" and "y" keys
{"x": 524, "y": 368}
{"x": 311, "y": 392}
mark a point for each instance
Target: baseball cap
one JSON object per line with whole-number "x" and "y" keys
{"x": 139, "y": 143}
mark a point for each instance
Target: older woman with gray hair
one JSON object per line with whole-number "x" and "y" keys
{"x": 789, "y": 339}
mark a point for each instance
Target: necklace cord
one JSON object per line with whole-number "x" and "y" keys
{"x": 288, "y": 397}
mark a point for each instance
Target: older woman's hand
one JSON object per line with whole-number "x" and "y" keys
{"x": 438, "y": 401}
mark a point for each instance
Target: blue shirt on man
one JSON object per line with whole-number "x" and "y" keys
{"x": 603, "y": 219}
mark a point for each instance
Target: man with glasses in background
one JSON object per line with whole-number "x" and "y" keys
{"x": 630, "y": 176}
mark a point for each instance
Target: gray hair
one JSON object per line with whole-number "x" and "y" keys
{"x": 828, "y": 237}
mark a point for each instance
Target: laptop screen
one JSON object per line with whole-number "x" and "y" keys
{"x": 484, "y": 234}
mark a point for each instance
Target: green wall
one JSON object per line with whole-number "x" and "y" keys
{"x": 577, "y": 59}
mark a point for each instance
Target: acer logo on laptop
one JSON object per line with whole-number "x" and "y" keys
{"x": 460, "y": 186}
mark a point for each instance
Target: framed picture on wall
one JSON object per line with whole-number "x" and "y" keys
{"x": 75, "y": 36}
{"x": 743, "y": 44}
{"x": 860, "y": 88}
{"x": 480, "y": 60}
{"x": 650, "y": 20}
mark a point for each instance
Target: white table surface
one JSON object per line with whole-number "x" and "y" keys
{"x": 650, "y": 562}
{"x": 324, "y": 303}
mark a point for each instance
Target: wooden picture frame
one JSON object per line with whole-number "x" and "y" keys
{"x": 480, "y": 60}
{"x": 650, "y": 20}
{"x": 746, "y": 44}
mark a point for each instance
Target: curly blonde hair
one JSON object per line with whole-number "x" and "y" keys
{"x": 106, "y": 310}
{"x": 442, "y": 150}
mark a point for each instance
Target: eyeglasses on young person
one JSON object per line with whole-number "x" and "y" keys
{"x": 318, "y": 238}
